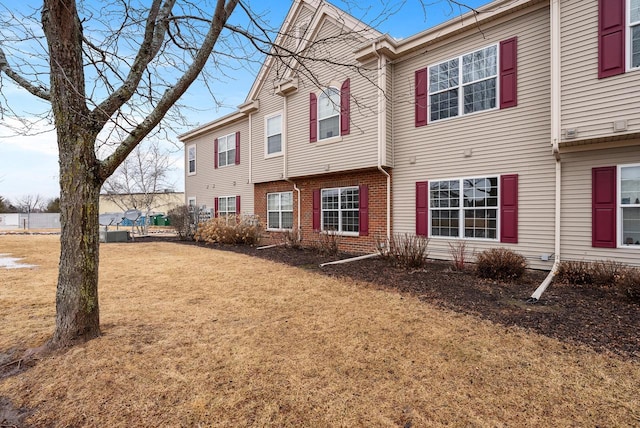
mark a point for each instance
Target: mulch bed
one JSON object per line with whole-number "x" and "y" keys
{"x": 598, "y": 317}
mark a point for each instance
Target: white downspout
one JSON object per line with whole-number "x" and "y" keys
{"x": 250, "y": 148}
{"x": 555, "y": 139}
{"x": 285, "y": 172}
{"x": 382, "y": 129}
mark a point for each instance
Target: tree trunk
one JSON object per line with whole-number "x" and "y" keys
{"x": 77, "y": 312}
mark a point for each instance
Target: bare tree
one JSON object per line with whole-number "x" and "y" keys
{"x": 140, "y": 178}
{"x": 30, "y": 203}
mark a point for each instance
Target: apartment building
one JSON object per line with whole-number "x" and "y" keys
{"x": 515, "y": 127}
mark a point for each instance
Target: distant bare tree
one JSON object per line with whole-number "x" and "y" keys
{"x": 30, "y": 203}
{"x": 138, "y": 181}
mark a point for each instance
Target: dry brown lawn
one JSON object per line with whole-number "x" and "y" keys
{"x": 199, "y": 337}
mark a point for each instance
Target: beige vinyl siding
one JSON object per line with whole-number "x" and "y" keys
{"x": 231, "y": 180}
{"x": 589, "y": 104}
{"x": 389, "y": 116}
{"x": 509, "y": 141}
{"x": 576, "y": 204}
{"x": 354, "y": 151}
{"x": 272, "y": 168}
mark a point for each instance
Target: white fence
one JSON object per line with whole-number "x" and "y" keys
{"x": 12, "y": 221}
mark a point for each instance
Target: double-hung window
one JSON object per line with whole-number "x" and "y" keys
{"x": 191, "y": 158}
{"x": 226, "y": 206}
{"x": 629, "y": 204}
{"x": 273, "y": 129}
{"x": 280, "y": 210}
{"x": 329, "y": 113}
{"x": 340, "y": 209}
{"x": 464, "y": 208}
{"x": 464, "y": 85}
{"x": 634, "y": 33}
{"x": 227, "y": 150}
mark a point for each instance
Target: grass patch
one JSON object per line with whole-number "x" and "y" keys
{"x": 198, "y": 336}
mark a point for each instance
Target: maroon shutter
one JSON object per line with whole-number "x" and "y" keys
{"x": 215, "y": 153}
{"x": 422, "y": 208}
{"x": 421, "y": 97}
{"x": 603, "y": 207}
{"x": 611, "y": 38}
{"x": 215, "y": 206}
{"x": 345, "y": 107}
{"x": 509, "y": 208}
{"x": 509, "y": 73}
{"x": 237, "y": 204}
{"x": 316, "y": 209}
{"x": 363, "y": 214}
{"x": 238, "y": 148}
{"x": 313, "y": 118}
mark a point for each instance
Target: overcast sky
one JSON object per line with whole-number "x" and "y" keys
{"x": 29, "y": 164}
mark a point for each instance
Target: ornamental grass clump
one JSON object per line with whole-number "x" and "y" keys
{"x": 500, "y": 264}
{"x": 234, "y": 229}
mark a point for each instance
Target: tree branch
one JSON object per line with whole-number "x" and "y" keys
{"x": 38, "y": 91}
{"x": 155, "y": 30}
{"x": 220, "y": 17}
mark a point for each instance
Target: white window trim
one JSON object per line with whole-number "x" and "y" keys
{"x": 268, "y": 155}
{"x": 234, "y": 205}
{"x": 233, "y": 137}
{"x": 191, "y": 199}
{"x": 461, "y": 209}
{"x": 628, "y": 37}
{"x": 281, "y": 229}
{"x": 195, "y": 159}
{"x": 338, "y": 232}
{"x": 619, "y": 240}
{"x": 335, "y": 137}
{"x": 461, "y": 85}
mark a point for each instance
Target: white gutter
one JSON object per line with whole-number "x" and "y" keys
{"x": 555, "y": 140}
{"x": 382, "y": 129}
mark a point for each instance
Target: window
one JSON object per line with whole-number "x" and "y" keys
{"x": 191, "y": 202}
{"x": 629, "y": 204}
{"x": 340, "y": 209}
{"x": 280, "y": 210}
{"x": 464, "y": 208}
{"x": 329, "y": 113}
{"x": 273, "y": 129}
{"x": 634, "y": 33}
{"x": 226, "y": 206}
{"x": 191, "y": 157}
{"x": 227, "y": 150}
{"x": 463, "y": 85}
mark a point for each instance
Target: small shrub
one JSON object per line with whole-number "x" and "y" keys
{"x": 407, "y": 250}
{"x": 606, "y": 272}
{"x": 574, "y": 272}
{"x": 459, "y": 254}
{"x": 241, "y": 230}
{"x": 628, "y": 282}
{"x": 500, "y": 264}
{"x": 328, "y": 242}
{"x": 180, "y": 219}
{"x": 603, "y": 273}
{"x": 292, "y": 238}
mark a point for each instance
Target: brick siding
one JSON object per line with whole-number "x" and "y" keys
{"x": 374, "y": 179}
